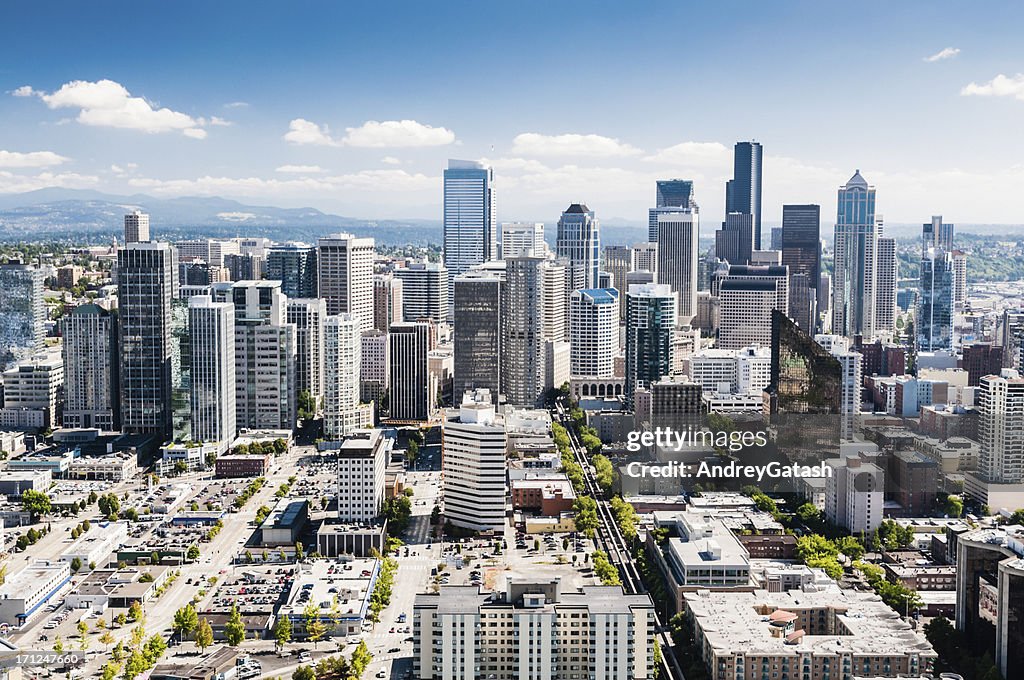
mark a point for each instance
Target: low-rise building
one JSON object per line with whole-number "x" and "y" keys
{"x": 340, "y": 591}
{"x": 232, "y": 465}
{"x": 547, "y": 494}
{"x": 283, "y": 524}
{"x": 95, "y": 544}
{"x": 360, "y": 540}
{"x": 24, "y": 593}
{"x": 17, "y": 482}
{"x": 117, "y": 588}
{"x": 116, "y": 467}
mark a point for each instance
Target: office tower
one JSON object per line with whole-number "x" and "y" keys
{"x": 579, "y": 242}
{"x": 886, "y": 275}
{"x": 806, "y": 380}
{"x": 851, "y": 377}
{"x": 522, "y": 238}
{"x": 212, "y": 251}
{"x": 362, "y": 464}
{"x": 473, "y": 465}
{"x": 618, "y": 261}
{"x": 677, "y": 259}
{"x": 524, "y": 299}
{"x": 295, "y": 266}
{"x": 650, "y": 325}
{"x": 22, "y": 311}
{"x": 747, "y": 296}
{"x": 743, "y": 191}
{"x": 31, "y": 392}
{"x": 426, "y": 287}
{"x": 937, "y": 234}
{"x": 670, "y": 196}
{"x": 345, "y": 276}
{"x": 181, "y": 370}
{"x": 734, "y": 241}
{"x": 593, "y": 332}
{"x": 598, "y": 633}
{"x": 308, "y": 315}
{"x": 244, "y": 267}
{"x": 196, "y": 273}
{"x": 645, "y": 257}
{"x": 470, "y": 218}
{"x": 265, "y": 374}
{"x": 145, "y": 290}
{"x": 477, "y": 340}
{"x": 554, "y": 303}
{"x": 800, "y": 237}
{"x": 92, "y": 388}
{"x": 959, "y": 279}
{"x": 387, "y": 300}
{"x": 776, "y": 242}
{"x": 212, "y": 336}
{"x": 1000, "y": 475}
{"x": 413, "y": 396}
{"x": 981, "y": 359}
{"x": 136, "y": 227}
{"x": 374, "y": 366}
{"x": 933, "y": 319}
{"x": 675, "y": 404}
{"x": 342, "y": 359}
{"x": 856, "y": 240}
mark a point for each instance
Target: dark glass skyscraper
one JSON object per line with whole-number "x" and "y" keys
{"x": 674, "y": 193}
{"x": 743, "y": 191}
{"x": 801, "y": 252}
{"x": 934, "y": 317}
{"x": 294, "y": 265}
{"x": 735, "y": 240}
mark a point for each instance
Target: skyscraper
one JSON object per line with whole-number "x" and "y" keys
{"x": 387, "y": 300}
{"x": 1000, "y": 426}
{"x": 522, "y": 238}
{"x": 579, "y": 242}
{"x": 933, "y": 319}
{"x": 523, "y": 332}
{"x": 650, "y": 326}
{"x": 477, "y": 343}
{"x": 747, "y": 296}
{"x": 413, "y": 390}
{"x": 937, "y": 234}
{"x": 886, "y": 275}
{"x": 91, "y": 382}
{"x": 294, "y": 265}
{"x": 593, "y": 332}
{"x": 212, "y": 335}
{"x": 342, "y": 360}
{"x": 308, "y": 316}
{"x": 801, "y": 252}
{"x": 474, "y": 465}
{"x": 671, "y": 194}
{"x": 735, "y": 240}
{"x": 136, "y": 227}
{"x": 426, "y": 287}
{"x": 856, "y": 238}
{"x": 22, "y": 311}
{"x": 959, "y": 279}
{"x": 345, "y": 275}
{"x": 678, "y": 233}
{"x": 145, "y": 290}
{"x": 618, "y": 261}
{"x": 470, "y": 218}
{"x": 743, "y": 191}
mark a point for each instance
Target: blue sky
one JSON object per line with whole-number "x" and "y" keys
{"x": 354, "y": 108}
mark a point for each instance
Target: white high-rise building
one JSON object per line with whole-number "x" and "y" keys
{"x": 959, "y": 279}
{"x": 593, "y": 332}
{"x": 426, "y": 291}
{"x": 342, "y": 355}
{"x": 532, "y": 298}
{"x": 212, "y": 337}
{"x": 999, "y": 481}
{"x": 579, "y": 242}
{"x": 677, "y": 258}
{"x": 34, "y": 383}
{"x": 746, "y": 297}
{"x": 307, "y": 315}
{"x": 645, "y": 257}
{"x": 136, "y": 227}
{"x": 22, "y": 311}
{"x": 91, "y": 389}
{"x": 473, "y": 465}
{"x": 886, "y": 274}
{"x": 469, "y": 219}
{"x": 852, "y": 366}
{"x": 753, "y": 369}
{"x": 345, "y": 273}
{"x": 739, "y": 371}
{"x": 520, "y": 239}
{"x": 373, "y": 366}
{"x": 855, "y": 494}
{"x": 362, "y": 462}
{"x": 387, "y": 300}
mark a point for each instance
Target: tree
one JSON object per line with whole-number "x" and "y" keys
{"x": 954, "y": 506}
{"x": 585, "y": 509}
{"x": 76, "y": 564}
{"x": 186, "y": 621}
{"x": 234, "y": 629}
{"x": 110, "y": 670}
{"x": 204, "y": 635}
{"x": 83, "y": 635}
{"x": 58, "y": 645}
{"x": 605, "y": 570}
{"x": 180, "y": 467}
{"x": 303, "y": 673}
{"x": 106, "y": 639}
{"x": 36, "y": 503}
{"x": 850, "y": 546}
{"x": 435, "y": 515}
{"x": 315, "y": 629}
{"x": 120, "y": 619}
{"x": 412, "y": 452}
{"x": 135, "y": 612}
{"x": 193, "y": 553}
{"x": 605, "y": 472}
{"x": 361, "y": 658}
{"x": 306, "y": 405}
{"x": 282, "y": 632}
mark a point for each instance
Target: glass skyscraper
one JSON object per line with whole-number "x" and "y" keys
{"x": 672, "y": 194}
{"x": 934, "y": 317}
{"x": 743, "y": 191}
{"x": 470, "y": 221}
{"x": 579, "y": 241}
{"x": 853, "y": 295}
{"x": 650, "y": 328}
{"x": 801, "y": 252}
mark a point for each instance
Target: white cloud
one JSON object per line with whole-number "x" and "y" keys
{"x": 390, "y": 160}
{"x": 236, "y": 105}
{"x": 947, "y": 53}
{"x": 106, "y": 103}
{"x": 302, "y": 131}
{"x": 17, "y": 184}
{"x": 299, "y": 169}
{"x": 536, "y": 144}
{"x": 31, "y": 159}
{"x": 1000, "y": 86}
{"x": 397, "y": 134}
{"x": 693, "y": 154}
{"x": 374, "y": 134}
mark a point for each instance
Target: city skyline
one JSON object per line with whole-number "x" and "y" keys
{"x": 340, "y": 126}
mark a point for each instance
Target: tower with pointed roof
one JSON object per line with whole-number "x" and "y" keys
{"x": 856, "y": 247}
